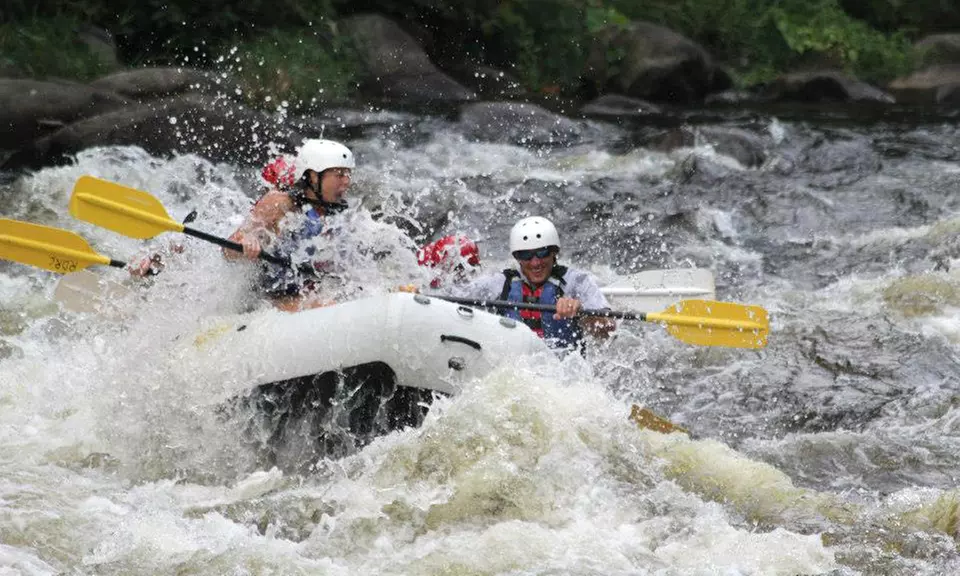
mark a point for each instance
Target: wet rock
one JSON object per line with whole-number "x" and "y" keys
{"x": 673, "y": 139}
{"x": 8, "y": 70}
{"x": 490, "y": 83}
{"x": 841, "y": 371}
{"x": 853, "y": 367}
{"x": 824, "y": 86}
{"x": 730, "y": 97}
{"x": 518, "y": 123}
{"x": 948, "y": 95}
{"x": 794, "y": 249}
{"x": 101, "y": 44}
{"x": 143, "y": 84}
{"x": 745, "y": 147}
{"x": 933, "y": 85}
{"x": 191, "y": 124}
{"x": 395, "y": 64}
{"x": 696, "y": 169}
{"x": 619, "y": 105}
{"x": 31, "y": 108}
{"x": 938, "y": 49}
{"x": 917, "y": 143}
{"x": 657, "y": 64}
{"x": 837, "y": 163}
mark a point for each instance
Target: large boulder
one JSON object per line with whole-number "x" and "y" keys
{"x": 143, "y": 84}
{"x": 189, "y": 124}
{"x": 489, "y": 83}
{"x": 832, "y": 164}
{"x": 395, "y": 66}
{"x": 747, "y": 148}
{"x": 824, "y": 86}
{"x": 619, "y": 106}
{"x": 933, "y": 85}
{"x": 100, "y": 44}
{"x": 32, "y": 108}
{"x": 518, "y": 123}
{"x": 938, "y": 50}
{"x": 655, "y": 64}
{"x": 948, "y": 95}
{"x": 9, "y": 70}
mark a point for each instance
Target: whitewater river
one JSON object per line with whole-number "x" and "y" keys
{"x": 834, "y": 450}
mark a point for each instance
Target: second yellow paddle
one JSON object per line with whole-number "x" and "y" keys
{"x": 49, "y": 248}
{"x": 136, "y": 214}
{"x": 699, "y": 322}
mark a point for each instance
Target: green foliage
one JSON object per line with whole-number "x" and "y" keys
{"x": 911, "y": 17}
{"x": 48, "y": 48}
{"x": 759, "y": 39}
{"x": 300, "y": 66}
{"x": 599, "y": 18}
{"x": 827, "y": 30}
{"x": 544, "y": 43}
{"x": 544, "y": 39}
{"x": 161, "y": 30}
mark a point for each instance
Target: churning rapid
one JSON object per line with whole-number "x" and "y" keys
{"x": 834, "y": 450}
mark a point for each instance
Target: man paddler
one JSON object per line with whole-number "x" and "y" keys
{"x": 539, "y": 278}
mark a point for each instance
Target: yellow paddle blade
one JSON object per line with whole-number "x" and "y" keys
{"x": 711, "y": 323}
{"x": 646, "y": 418}
{"x": 126, "y": 210}
{"x": 49, "y": 248}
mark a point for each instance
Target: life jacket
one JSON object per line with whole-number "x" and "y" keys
{"x": 558, "y": 333}
{"x": 278, "y": 280}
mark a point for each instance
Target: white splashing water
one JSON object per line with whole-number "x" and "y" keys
{"x": 112, "y": 460}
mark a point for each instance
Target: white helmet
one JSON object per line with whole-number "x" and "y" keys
{"x": 532, "y": 233}
{"x": 320, "y": 155}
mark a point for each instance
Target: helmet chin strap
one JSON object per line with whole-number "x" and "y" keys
{"x": 328, "y": 207}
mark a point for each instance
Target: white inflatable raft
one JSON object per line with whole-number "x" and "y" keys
{"x": 332, "y": 378}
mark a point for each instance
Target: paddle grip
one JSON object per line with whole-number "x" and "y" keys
{"x": 233, "y": 246}
{"x": 503, "y": 304}
{"x": 117, "y": 263}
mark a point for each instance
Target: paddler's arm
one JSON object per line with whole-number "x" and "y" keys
{"x": 260, "y": 224}
{"x": 153, "y": 264}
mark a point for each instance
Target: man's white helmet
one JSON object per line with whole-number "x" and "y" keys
{"x": 320, "y": 155}
{"x": 532, "y": 233}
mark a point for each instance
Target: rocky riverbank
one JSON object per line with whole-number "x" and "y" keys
{"x": 181, "y": 109}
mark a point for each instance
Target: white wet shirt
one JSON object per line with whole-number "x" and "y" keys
{"x": 579, "y": 284}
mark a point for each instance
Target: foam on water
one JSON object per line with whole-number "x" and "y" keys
{"x": 529, "y": 471}
{"x": 113, "y": 460}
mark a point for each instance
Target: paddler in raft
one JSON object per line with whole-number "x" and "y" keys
{"x": 539, "y": 278}
{"x": 292, "y": 211}
{"x": 452, "y": 260}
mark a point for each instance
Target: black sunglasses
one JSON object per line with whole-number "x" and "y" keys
{"x": 531, "y": 254}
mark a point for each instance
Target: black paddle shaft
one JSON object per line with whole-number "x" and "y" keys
{"x": 503, "y": 304}
{"x": 234, "y": 246}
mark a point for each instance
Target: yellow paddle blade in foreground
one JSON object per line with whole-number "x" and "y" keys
{"x": 137, "y": 214}
{"x": 49, "y": 248}
{"x": 122, "y": 209}
{"x": 712, "y": 323}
